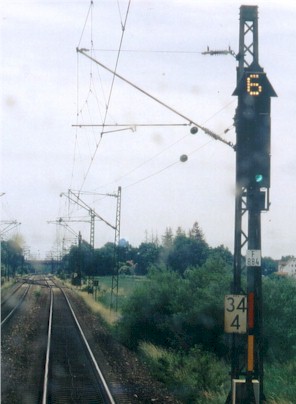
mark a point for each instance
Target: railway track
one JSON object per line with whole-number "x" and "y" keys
{"x": 12, "y": 302}
{"x": 71, "y": 373}
{"x": 48, "y": 357}
{"x": 13, "y": 290}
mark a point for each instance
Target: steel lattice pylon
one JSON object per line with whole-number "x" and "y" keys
{"x": 92, "y": 229}
{"x": 247, "y": 56}
{"x": 114, "y": 286}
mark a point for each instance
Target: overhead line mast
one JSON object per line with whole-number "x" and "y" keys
{"x": 115, "y": 275}
{"x": 75, "y": 197}
{"x": 9, "y": 225}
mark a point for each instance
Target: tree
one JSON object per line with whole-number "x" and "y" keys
{"x": 126, "y": 252}
{"x": 222, "y": 252}
{"x": 12, "y": 256}
{"x": 269, "y": 266}
{"x": 87, "y": 257}
{"x": 279, "y": 307}
{"x": 105, "y": 260}
{"x": 79, "y": 260}
{"x": 168, "y": 238}
{"x": 196, "y": 233}
{"x": 180, "y": 231}
{"x": 286, "y": 258}
{"x": 148, "y": 254}
{"x": 187, "y": 252}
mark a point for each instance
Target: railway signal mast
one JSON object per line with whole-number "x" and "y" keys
{"x": 243, "y": 309}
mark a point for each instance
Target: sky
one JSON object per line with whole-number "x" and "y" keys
{"x": 47, "y": 89}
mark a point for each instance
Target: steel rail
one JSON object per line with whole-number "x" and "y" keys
{"x": 45, "y": 382}
{"x": 93, "y": 359}
{"x": 15, "y": 290}
{"x": 106, "y": 391}
{"x": 16, "y": 307}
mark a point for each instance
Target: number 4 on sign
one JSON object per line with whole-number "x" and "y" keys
{"x": 235, "y": 314}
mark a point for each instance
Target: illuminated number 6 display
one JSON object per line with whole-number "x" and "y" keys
{"x": 253, "y": 86}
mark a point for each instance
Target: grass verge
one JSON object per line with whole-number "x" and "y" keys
{"x": 280, "y": 382}
{"x": 197, "y": 377}
{"x": 96, "y": 307}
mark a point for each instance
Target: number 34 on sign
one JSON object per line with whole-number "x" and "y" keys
{"x": 235, "y": 314}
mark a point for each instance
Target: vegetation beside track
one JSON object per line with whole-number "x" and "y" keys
{"x": 170, "y": 310}
{"x": 172, "y": 321}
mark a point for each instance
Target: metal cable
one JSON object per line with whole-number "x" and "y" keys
{"x": 110, "y": 95}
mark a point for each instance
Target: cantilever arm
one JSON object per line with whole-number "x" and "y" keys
{"x": 205, "y": 130}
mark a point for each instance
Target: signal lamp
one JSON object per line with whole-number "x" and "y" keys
{"x": 258, "y": 178}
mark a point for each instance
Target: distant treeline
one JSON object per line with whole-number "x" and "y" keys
{"x": 177, "y": 251}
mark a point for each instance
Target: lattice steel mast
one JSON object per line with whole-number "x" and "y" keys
{"x": 252, "y": 121}
{"x": 115, "y": 275}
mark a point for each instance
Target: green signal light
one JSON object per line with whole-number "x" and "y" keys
{"x": 258, "y": 178}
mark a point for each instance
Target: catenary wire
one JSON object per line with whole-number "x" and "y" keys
{"x": 110, "y": 95}
{"x": 149, "y": 51}
{"x": 151, "y": 175}
{"x": 205, "y": 130}
{"x": 120, "y": 49}
{"x": 86, "y": 19}
{"x": 165, "y": 168}
{"x": 162, "y": 151}
{"x": 89, "y": 12}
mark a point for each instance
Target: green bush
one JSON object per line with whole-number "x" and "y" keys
{"x": 178, "y": 311}
{"x": 280, "y": 382}
{"x": 279, "y": 307}
{"x": 195, "y": 377}
{"x": 146, "y": 312}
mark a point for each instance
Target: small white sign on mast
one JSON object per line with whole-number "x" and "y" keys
{"x": 253, "y": 258}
